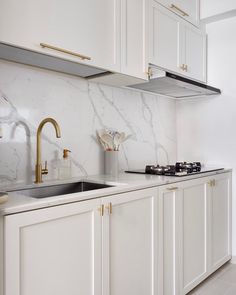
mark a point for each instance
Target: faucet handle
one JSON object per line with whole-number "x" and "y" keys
{"x": 45, "y": 169}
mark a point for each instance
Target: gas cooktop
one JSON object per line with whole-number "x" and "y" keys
{"x": 179, "y": 169}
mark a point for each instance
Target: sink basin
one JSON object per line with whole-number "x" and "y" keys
{"x": 62, "y": 189}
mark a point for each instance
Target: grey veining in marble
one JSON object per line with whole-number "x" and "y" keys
{"x": 28, "y": 95}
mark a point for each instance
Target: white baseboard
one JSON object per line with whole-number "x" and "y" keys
{"x": 233, "y": 260}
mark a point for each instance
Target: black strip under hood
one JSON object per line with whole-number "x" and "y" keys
{"x": 172, "y": 85}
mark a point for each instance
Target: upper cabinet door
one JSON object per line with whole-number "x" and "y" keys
{"x": 176, "y": 45}
{"x": 165, "y": 36}
{"x": 187, "y": 9}
{"x": 89, "y": 28}
{"x": 195, "y": 53}
{"x": 134, "y": 41}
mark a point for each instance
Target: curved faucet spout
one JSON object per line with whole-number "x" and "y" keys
{"x": 38, "y": 168}
{"x": 53, "y": 122}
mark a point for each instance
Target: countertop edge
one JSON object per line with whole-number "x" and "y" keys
{"x": 123, "y": 183}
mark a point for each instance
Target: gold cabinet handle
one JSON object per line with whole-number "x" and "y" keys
{"x": 212, "y": 182}
{"x": 179, "y": 10}
{"x": 149, "y": 72}
{"x": 184, "y": 67}
{"x": 83, "y": 57}
{"x": 109, "y": 208}
{"x": 101, "y": 210}
{"x": 175, "y": 188}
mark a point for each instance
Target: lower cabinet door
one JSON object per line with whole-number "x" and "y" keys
{"x": 185, "y": 207}
{"x": 193, "y": 233}
{"x": 171, "y": 196}
{"x": 220, "y": 221}
{"x": 132, "y": 260}
{"x": 54, "y": 251}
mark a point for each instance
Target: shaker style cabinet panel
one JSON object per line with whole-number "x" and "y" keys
{"x": 132, "y": 256}
{"x": 107, "y": 246}
{"x": 89, "y": 28}
{"x": 197, "y": 231}
{"x": 220, "y": 220}
{"x": 187, "y": 9}
{"x": 193, "y": 234}
{"x": 185, "y": 229}
{"x": 175, "y": 45}
{"x": 171, "y": 196}
{"x": 164, "y": 43}
{"x": 54, "y": 251}
{"x": 134, "y": 38}
{"x": 195, "y": 53}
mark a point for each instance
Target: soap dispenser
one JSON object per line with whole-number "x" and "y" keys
{"x": 65, "y": 165}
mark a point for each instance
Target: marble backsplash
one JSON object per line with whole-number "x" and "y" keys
{"x": 28, "y": 95}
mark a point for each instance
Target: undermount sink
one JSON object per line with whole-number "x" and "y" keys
{"x": 62, "y": 189}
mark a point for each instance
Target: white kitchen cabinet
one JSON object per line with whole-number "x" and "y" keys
{"x": 187, "y": 9}
{"x": 194, "y": 56}
{"x": 170, "y": 196}
{"x": 82, "y": 249}
{"x": 54, "y": 251}
{"x": 164, "y": 42}
{"x": 185, "y": 232}
{"x": 220, "y": 220}
{"x": 175, "y": 45}
{"x": 132, "y": 253}
{"x": 197, "y": 231}
{"x": 134, "y": 38}
{"x": 193, "y": 234}
{"x": 90, "y": 28}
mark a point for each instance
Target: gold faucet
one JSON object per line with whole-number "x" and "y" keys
{"x": 39, "y": 171}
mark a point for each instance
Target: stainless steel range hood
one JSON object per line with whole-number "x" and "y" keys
{"x": 172, "y": 85}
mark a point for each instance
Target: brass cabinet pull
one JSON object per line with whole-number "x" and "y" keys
{"x": 149, "y": 72}
{"x": 212, "y": 182}
{"x": 175, "y": 188}
{"x": 184, "y": 67}
{"x": 109, "y": 208}
{"x": 178, "y": 9}
{"x": 83, "y": 57}
{"x": 101, "y": 210}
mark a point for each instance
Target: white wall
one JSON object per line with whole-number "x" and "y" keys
{"x": 207, "y": 127}
{"x": 28, "y": 95}
{"x": 214, "y": 7}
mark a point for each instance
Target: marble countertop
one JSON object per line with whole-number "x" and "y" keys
{"x": 18, "y": 202}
